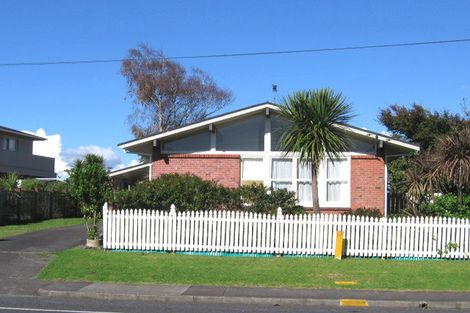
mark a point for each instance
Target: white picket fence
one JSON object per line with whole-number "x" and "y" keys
{"x": 307, "y": 234}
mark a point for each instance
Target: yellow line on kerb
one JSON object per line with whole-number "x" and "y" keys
{"x": 353, "y": 302}
{"x": 346, "y": 282}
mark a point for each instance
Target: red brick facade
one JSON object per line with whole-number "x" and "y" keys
{"x": 367, "y": 182}
{"x": 367, "y": 175}
{"x": 223, "y": 168}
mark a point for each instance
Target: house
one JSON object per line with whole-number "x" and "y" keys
{"x": 16, "y": 155}
{"x": 241, "y": 147}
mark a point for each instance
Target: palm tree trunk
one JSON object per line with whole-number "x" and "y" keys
{"x": 460, "y": 193}
{"x": 316, "y": 203}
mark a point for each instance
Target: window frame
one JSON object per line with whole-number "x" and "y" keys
{"x": 344, "y": 202}
{"x": 302, "y": 180}
{"x": 6, "y": 144}
{"x": 345, "y": 181}
{"x": 293, "y": 170}
{"x": 242, "y": 167}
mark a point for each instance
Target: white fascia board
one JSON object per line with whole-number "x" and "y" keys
{"x": 129, "y": 169}
{"x": 198, "y": 125}
{"x": 379, "y": 137}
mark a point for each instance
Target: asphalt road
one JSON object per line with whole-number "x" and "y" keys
{"x": 15, "y": 304}
{"x": 22, "y": 257}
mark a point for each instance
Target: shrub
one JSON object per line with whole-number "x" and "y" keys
{"x": 191, "y": 193}
{"x": 260, "y": 199}
{"x": 57, "y": 186}
{"x": 32, "y": 184}
{"x": 9, "y": 182}
{"x": 187, "y": 192}
{"x": 366, "y": 212}
{"x": 448, "y": 206}
{"x": 89, "y": 184}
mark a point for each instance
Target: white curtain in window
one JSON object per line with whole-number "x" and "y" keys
{"x": 281, "y": 169}
{"x": 304, "y": 193}
{"x": 333, "y": 191}
{"x": 304, "y": 171}
{"x": 252, "y": 169}
{"x": 333, "y": 169}
{"x": 282, "y": 185}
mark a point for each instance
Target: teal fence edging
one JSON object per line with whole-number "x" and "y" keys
{"x": 269, "y": 255}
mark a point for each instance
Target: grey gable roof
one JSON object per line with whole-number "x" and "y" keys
{"x": 277, "y": 105}
{"x": 15, "y": 132}
{"x": 206, "y": 119}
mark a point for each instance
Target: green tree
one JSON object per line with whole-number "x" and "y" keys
{"x": 89, "y": 184}
{"x": 420, "y": 181}
{"x": 314, "y": 131}
{"x": 418, "y": 124}
{"x": 453, "y": 160}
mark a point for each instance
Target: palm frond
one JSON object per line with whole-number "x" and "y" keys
{"x": 313, "y": 133}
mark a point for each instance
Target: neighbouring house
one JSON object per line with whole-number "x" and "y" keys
{"x": 241, "y": 147}
{"x": 16, "y": 155}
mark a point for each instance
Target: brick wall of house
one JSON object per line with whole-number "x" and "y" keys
{"x": 367, "y": 182}
{"x": 224, "y": 169}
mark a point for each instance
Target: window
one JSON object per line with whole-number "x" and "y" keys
{"x": 10, "y": 144}
{"x": 336, "y": 180}
{"x": 242, "y": 135}
{"x": 193, "y": 143}
{"x": 281, "y": 174}
{"x": 252, "y": 171}
{"x": 279, "y": 125}
{"x": 304, "y": 182}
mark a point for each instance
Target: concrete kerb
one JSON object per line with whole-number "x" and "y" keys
{"x": 251, "y": 300}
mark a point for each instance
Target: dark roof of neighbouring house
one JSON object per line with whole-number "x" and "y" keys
{"x": 15, "y": 132}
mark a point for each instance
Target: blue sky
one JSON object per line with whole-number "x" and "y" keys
{"x": 87, "y": 106}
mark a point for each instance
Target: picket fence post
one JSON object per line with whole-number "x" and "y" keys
{"x": 173, "y": 230}
{"x": 105, "y": 225}
{"x": 279, "y": 226}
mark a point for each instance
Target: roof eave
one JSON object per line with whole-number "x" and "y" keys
{"x": 21, "y": 134}
{"x": 128, "y": 169}
{"x": 380, "y": 137}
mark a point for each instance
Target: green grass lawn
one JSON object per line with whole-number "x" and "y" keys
{"x": 129, "y": 267}
{"x": 13, "y": 230}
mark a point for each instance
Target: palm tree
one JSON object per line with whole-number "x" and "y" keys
{"x": 9, "y": 182}
{"x": 421, "y": 180}
{"x": 453, "y": 159}
{"x": 314, "y": 131}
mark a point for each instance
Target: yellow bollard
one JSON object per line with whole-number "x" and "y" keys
{"x": 339, "y": 245}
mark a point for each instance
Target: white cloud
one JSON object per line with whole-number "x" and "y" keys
{"x": 133, "y": 163}
{"x": 52, "y": 147}
{"x": 111, "y": 158}
{"x": 122, "y": 165}
{"x": 386, "y": 133}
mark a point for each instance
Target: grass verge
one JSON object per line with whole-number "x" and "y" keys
{"x": 127, "y": 267}
{"x": 13, "y": 230}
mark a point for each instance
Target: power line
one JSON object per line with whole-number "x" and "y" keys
{"x": 247, "y": 54}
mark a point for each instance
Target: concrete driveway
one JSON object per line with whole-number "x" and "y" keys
{"x": 22, "y": 257}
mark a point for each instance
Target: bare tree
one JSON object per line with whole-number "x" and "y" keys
{"x": 166, "y": 94}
